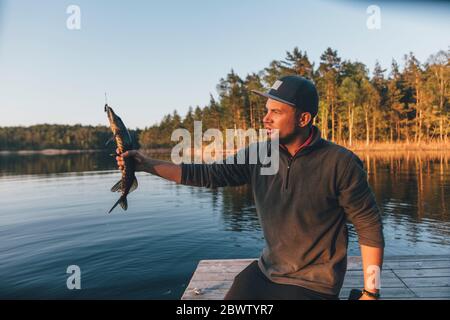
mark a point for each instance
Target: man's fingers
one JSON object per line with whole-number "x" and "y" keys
{"x": 120, "y": 161}
{"x": 129, "y": 153}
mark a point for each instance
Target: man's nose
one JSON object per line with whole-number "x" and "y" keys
{"x": 267, "y": 118}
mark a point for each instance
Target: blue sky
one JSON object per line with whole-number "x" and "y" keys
{"x": 152, "y": 57}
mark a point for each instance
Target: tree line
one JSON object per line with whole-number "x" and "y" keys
{"x": 54, "y": 136}
{"x": 409, "y": 104}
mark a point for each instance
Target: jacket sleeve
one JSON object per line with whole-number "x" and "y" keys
{"x": 217, "y": 174}
{"x": 359, "y": 204}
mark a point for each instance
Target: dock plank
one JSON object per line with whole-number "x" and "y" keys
{"x": 435, "y": 292}
{"x": 403, "y": 277}
{"x": 423, "y": 273}
{"x": 423, "y": 264}
{"x": 427, "y": 282}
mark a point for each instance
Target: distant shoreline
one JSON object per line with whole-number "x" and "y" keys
{"x": 48, "y": 151}
{"x": 398, "y": 146}
{"x": 51, "y": 152}
{"x": 357, "y": 146}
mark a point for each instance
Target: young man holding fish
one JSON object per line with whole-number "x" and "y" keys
{"x": 303, "y": 208}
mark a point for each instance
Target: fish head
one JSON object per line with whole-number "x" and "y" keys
{"x": 110, "y": 113}
{"x": 116, "y": 124}
{"x": 114, "y": 120}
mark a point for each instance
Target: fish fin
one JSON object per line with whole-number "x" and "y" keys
{"x": 134, "y": 185}
{"x": 117, "y": 187}
{"x": 123, "y": 203}
{"x": 115, "y": 204}
{"x": 109, "y": 141}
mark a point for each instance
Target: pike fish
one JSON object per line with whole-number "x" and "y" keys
{"x": 128, "y": 183}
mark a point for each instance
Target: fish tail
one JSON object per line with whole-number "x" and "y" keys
{"x": 123, "y": 203}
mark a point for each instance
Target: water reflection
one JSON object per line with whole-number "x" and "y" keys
{"x": 47, "y": 164}
{"x": 412, "y": 190}
{"x": 14, "y": 164}
{"x": 238, "y": 211}
{"x": 414, "y": 184}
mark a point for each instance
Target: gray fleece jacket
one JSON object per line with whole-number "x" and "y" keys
{"x": 303, "y": 210}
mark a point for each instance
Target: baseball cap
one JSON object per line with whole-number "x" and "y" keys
{"x": 295, "y": 91}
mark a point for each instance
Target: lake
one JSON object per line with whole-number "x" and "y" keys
{"x": 54, "y": 215}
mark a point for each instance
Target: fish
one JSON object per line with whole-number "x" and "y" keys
{"x": 121, "y": 136}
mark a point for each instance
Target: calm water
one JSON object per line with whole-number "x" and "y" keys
{"x": 53, "y": 215}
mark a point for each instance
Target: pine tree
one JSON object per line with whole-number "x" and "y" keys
{"x": 327, "y": 79}
{"x": 414, "y": 78}
{"x": 256, "y": 103}
{"x": 393, "y": 102}
{"x": 297, "y": 63}
{"x": 348, "y": 93}
{"x": 438, "y": 84}
{"x": 233, "y": 98}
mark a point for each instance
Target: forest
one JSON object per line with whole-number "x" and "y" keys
{"x": 408, "y": 104}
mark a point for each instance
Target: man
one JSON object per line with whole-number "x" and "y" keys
{"x": 302, "y": 208}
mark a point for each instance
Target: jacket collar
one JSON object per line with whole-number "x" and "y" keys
{"x": 315, "y": 143}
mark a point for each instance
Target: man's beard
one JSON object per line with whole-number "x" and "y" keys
{"x": 291, "y": 136}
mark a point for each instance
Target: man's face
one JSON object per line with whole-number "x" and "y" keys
{"x": 282, "y": 117}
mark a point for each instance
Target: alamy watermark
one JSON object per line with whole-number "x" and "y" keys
{"x": 374, "y": 19}
{"x": 373, "y": 281}
{"x": 73, "y": 21}
{"x": 74, "y": 280}
{"x": 258, "y": 151}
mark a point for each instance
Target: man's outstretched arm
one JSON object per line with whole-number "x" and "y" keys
{"x": 201, "y": 175}
{"x": 163, "y": 169}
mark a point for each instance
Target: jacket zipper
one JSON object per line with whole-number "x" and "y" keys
{"x": 291, "y": 158}
{"x": 287, "y": 172}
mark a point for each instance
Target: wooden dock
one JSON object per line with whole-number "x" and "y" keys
{"x": 403, "y": 277}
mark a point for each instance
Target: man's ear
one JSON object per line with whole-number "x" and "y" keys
{"x": 304, "y": 119}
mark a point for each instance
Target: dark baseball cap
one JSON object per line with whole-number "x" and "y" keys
{"x": 295, "y": 91}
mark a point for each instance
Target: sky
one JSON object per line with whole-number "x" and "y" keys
{"x": 152, "y": 57}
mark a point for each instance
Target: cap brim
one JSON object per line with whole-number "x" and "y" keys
{"x": 267, "y": 95}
